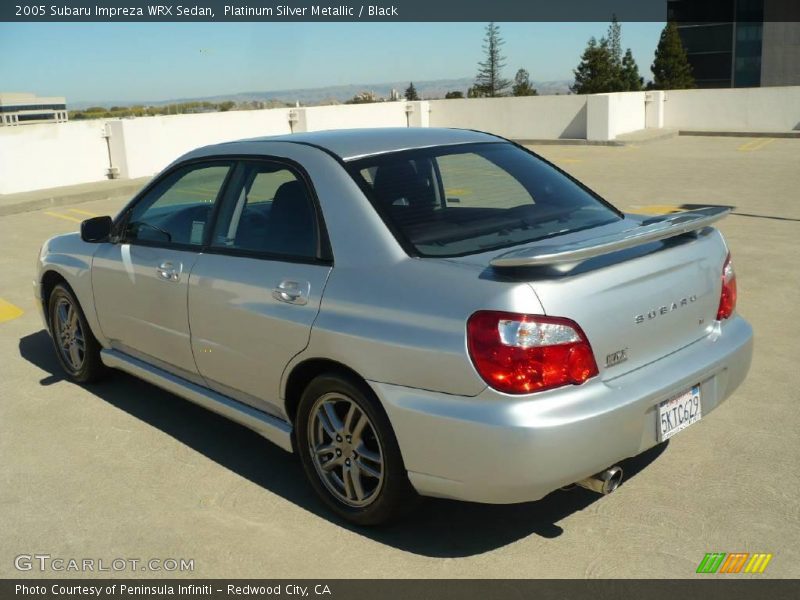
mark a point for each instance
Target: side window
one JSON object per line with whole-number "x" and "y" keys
{"x": 268, "y": 211}
{"x": 472, "y": 181}
{"x": 178, "y": 209}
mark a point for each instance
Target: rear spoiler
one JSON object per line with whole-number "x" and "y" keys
{"x": 651, "y": 230}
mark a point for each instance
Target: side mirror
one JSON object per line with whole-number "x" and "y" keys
{"x": 96, "y": 229}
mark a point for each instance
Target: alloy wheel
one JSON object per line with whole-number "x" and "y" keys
{"x": 346, "y": 450}
{"x": 68, "y": 334}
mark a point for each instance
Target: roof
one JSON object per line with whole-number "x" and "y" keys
{"x": 348, "y": 144}
{"x": 23, "y": 98}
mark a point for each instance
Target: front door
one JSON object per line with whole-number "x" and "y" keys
{"x": 255, "y": 292}
{"x": 141, "y": 283}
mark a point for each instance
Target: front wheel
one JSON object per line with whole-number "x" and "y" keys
{"x": 349, "y": 452}
{"x": 76, "y": 348}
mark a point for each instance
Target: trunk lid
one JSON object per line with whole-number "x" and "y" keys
{"x": 637, "y": 305}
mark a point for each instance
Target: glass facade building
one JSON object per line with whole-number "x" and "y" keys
{"x": 728, "y": 45}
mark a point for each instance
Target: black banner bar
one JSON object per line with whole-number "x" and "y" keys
{"x": 289, "y": 11}
{"x": 734, "y": 587}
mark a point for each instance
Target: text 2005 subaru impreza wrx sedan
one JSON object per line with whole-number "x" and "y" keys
{"x": 414, "y": 311}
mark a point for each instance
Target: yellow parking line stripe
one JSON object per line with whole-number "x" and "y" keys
{"x": 82, "y": 212}
{"x": 656, "y": 209}
{"x": 60, "y": 216}
{"x": 9, "y": 311}
{"x": 746, "y": 146}
{"x": 764, "y": 143}
{"x": 755, "y": 144}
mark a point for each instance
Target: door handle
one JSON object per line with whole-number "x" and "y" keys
{"x": 292, "y": 292}
{"x": 168, "y": 272}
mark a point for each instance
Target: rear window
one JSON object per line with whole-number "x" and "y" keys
{"x": 458, "y": 200}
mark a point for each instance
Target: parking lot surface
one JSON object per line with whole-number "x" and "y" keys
{"x": 122, "y": 469}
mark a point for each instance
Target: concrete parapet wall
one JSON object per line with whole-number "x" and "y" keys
{"x": 144, "y": 146}
{"x": 51, "y": 155}
{"x": 522, "y": 118}
{"x": 737, "y": 109}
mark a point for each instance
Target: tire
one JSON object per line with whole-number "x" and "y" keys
{"x": 357, "y": 470}
{"x": 77, "y": 350}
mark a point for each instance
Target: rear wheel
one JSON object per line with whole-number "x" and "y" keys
{"x": 350, "y": 453}
{"x": 76, "y": 348}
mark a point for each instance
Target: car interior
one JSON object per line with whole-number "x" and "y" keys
{"x": 278, "y": 221}
{"x": 466, "y": 202}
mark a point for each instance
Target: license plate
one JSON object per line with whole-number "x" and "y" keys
{"x": 677, "y": 413}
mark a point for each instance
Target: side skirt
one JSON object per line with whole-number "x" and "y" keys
{"x": 274, "y": 429}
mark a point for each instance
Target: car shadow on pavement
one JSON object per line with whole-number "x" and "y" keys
{"x": 437, "y": 528}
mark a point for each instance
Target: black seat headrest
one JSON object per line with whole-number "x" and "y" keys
{"x": 291, "y": 225}
{"x": 399, "y": 184}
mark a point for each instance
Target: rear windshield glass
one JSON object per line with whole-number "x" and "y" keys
{"x": 458, "y": 200}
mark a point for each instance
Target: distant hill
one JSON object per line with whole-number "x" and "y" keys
{"x": 331, "y": 94}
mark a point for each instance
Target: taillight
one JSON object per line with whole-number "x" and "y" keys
{"x": 727, "y": 299}
{"x": 520, "y": 354}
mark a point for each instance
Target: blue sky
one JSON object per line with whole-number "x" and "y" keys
{"x": 155, "y": 61}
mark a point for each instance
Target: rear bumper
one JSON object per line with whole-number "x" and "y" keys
{"x": 496, "y": 448}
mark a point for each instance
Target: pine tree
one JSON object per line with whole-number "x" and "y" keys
{"x": 489, "y": 81}
{"x": 595, "y": 73}
{"x": 631, "y": 81}
{"x": 411, "y": 92}
{"x": 671, "y": 68}
{"x": 615, "y": 41}
{"x": 522, "y": 84}
{"x": 614, "y": 44}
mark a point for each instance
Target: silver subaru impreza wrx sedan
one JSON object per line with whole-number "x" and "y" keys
{"x": 428, "y": 312}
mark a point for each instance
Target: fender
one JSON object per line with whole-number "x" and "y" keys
{"x": 71, "y": 258}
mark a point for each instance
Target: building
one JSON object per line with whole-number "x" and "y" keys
{"x": 25, "y": 109}
{"x": 739, "y": 43}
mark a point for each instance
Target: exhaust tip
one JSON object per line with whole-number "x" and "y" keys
{"x": 612, "y": 478}
{"x": 603, "y": 482}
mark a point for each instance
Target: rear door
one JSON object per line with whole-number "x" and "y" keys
{"x": 255, "y": 292}
{"x": 141, "y": 282}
